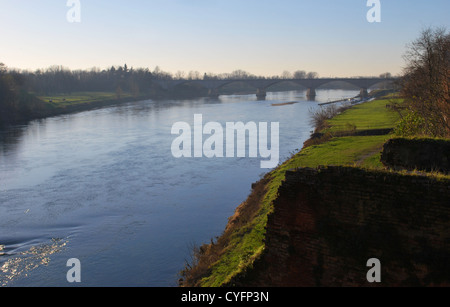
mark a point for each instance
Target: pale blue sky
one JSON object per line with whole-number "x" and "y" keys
{"x": 264, "y": 37}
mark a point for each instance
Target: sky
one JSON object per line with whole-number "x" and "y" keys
{"x": 263, "y": 37}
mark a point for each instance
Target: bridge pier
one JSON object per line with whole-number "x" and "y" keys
{"x": 261, "y": 94}
{"x": 363, "y": 93}
{"x": 311, "y": 94}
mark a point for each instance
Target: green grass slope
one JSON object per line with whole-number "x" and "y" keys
{"x": 241, "y": 245}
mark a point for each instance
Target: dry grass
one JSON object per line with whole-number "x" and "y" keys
{"x": 204, "y": 257}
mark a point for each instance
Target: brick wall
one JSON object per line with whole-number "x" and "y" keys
{"x": 328, "y": 222}
{"x": 421, "y": 154}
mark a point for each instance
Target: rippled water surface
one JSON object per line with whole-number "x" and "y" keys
{"x": 102, "y": 186}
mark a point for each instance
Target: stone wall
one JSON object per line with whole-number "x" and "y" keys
{"x": 328, "y": 222}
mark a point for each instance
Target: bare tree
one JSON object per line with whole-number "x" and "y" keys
{"x": 300, "y": 74}
{"x": 2, "y": 68}
{"x": 194, "y": 75}
{"x": 179, "y": 75}
{"x": 312, "y": 75}
{"x": 240, "y": 74}
{"x": 286, "y": 75}
{"x": 426, "y": 80}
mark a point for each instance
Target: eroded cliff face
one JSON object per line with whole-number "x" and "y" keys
{"x": 328, "y": 222}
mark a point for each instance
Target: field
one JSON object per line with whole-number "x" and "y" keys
{"x": 62, "y": 100}
{"x": 366, "y": 116}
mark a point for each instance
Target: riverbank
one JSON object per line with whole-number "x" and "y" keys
{"x": 58, "y": 105}
{"x": 49, "y": 106}
{"x": 35, "y": 106}
{"x": 32, "y": 106}
{"x": 232, "y": 258}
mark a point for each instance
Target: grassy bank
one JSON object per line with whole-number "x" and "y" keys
{"x": 366, "y": 116}
{"x": 59, "y": 104}
{"x": 25, "y": 106}
{"x": 79, "y": 98}
{"x": 232, "y": 254}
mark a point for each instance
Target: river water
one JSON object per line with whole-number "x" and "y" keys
{"x": 103, "y": 187}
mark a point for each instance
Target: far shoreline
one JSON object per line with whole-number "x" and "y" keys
{"x": 49, "y": 110}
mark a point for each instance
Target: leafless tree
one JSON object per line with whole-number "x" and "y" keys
{"x": 312, "y": 75}
{"x": 194, "y": 75}
{"x": 386, "y": 75}
{"x": 426, "y": 80}
{"x": 179, "y": 75}
{"x": 2, "y": 68}
{"x": 286, "y": 75}
{"x": 300, "y": 74}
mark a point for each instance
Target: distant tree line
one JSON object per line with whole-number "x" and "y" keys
{"x": 61, "y": 80}
{"x": 19, "y": 88}
{"x": 426, "y": 85}
{"x": 243, "y": 75}
{"x": 58, "y": 79}
{"x": 16, "y": 104}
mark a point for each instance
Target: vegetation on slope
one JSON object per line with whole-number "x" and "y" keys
{"x": 218, "y": 263}
{"x": 424, "y": 110}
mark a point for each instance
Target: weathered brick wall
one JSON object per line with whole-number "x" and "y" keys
{"x": 421, "y": 154}
{"x": 328, "y": 222}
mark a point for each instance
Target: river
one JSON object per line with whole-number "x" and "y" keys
{"x": 102, "y": 186}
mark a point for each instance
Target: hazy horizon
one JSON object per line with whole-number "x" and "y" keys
{"x": 261, "y": 37}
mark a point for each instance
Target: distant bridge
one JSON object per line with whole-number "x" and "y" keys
{"x": 262, "y": 85}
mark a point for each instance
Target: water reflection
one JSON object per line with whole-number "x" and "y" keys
{"x": 10, "y": 139}
{"x": 20, "y": 263}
